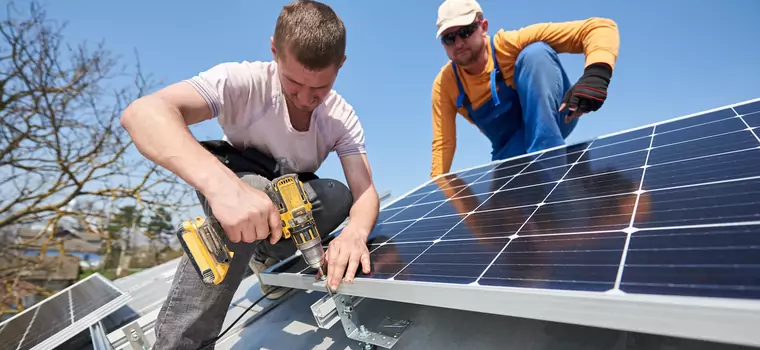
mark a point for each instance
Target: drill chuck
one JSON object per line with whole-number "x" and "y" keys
{"x": 312, "y": 253}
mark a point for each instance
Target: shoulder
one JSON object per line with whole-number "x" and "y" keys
{"x": 508, "y": 43}
{"x": 234, "y": 90}
{"x": 336, "y": 109}
{"x": 445, "y": 81}
{"x": 445, "y": 75}
{"x": 340, "y": 126}
{"x": 238, "y": 74}
{"x": 250, "y": 68}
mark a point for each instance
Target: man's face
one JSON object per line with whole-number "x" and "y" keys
{"x": 464, "y": 44}
{"x": 304, "y": 89}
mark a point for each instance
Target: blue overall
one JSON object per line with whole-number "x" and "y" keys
{"x": 525, "y": 119}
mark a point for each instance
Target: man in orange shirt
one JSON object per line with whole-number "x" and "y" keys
{"x": 512, "y": 86}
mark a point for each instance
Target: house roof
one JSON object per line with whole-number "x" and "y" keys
{"x": 72, "y": 241}
{"x": 51, "y": 268}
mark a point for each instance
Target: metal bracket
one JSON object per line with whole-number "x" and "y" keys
{"x": 328, "y": 310}
{"x": 136, "y": 336}
{"x": 326, "y": 314}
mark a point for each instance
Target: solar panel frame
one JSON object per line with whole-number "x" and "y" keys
{"x": 707, "y": 318}
{"x": 75, "y": 324}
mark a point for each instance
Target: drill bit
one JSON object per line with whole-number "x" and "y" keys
{"x": 323, "y": 277}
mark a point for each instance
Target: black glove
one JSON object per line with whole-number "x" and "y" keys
{"x": 589, "y": 93}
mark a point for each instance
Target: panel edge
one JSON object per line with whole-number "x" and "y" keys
{"x": 708, "y": 319}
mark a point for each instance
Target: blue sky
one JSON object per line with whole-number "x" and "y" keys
{"x": 676, "y": 58}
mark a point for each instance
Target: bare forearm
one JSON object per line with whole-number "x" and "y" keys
{"x": 161, "y": 135}
{"x": 363, "y": 213}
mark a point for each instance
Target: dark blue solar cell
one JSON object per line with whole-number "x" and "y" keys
{"x": 406, "y": 201}
{"x": 459, "y": 205}
{"x": 53, "y": 316}
{"x": 433, "y": 186}
{"x": 703, "y": 147}
{"x": 587, "y": 215}
{"x": 508, "y": 169}
{"x": 453, "y": 262}
{"x": 89, "y": 296}
{"x": 594, "y": 167}
{"x": 478, "y": 170}
{"x": 748, "y": 108}
{"x": 490, "y": 224}
{"x": 696, "y": 120}
{"x": 575, "y": 262}
{"x": 518, "y": 197}
{"x": 46, "y": 320}
{"x": 605, "y": 184}
{"x": 439, "y": 196}
{"x": 706, "y": 262}
{"x": 389, "y": 259}
{"x": 518, "y": 163}
{"x": 753, "y": 120}
{"x": 482, "y": 187}
{"x": 722, "y": 167}
{"x": 387, "y": 213}
{"x": 697, "y": 132}
{"x": 618, "y": 149}
{"x": 414, "y": 212}
{"x": 14, "y": 330}
{"x": 703, "y": 204}
{"x": 557, "y": 158}
{"x": 537, "y": 177}
{"x": 385, "y": 231}
{"x": 570, "y": 153}
{"x": 623, "y": 137}
{"x": 427, "y": 229}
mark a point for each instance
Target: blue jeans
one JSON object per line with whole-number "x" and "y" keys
{"x": 193, "y": 312}
{"x": 541, "y": 82}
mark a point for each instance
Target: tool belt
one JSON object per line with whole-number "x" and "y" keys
{"x": 249, "y": 160}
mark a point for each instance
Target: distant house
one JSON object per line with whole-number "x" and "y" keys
{"x": 84, "y": 245}
{"x": 53, "y": 271}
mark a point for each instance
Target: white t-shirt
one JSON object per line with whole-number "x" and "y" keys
{"x": 248, "y": 103}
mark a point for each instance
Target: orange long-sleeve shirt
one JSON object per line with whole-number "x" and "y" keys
{"x": 597, "y": 38}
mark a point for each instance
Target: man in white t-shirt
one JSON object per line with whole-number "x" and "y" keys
{"x": 285, "y": 113}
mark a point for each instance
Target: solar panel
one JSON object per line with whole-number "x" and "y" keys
{"x": 63, "y": 315}
{"x": 668, "y": 209}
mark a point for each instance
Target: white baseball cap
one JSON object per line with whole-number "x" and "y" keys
{"x": 453, "y": 13}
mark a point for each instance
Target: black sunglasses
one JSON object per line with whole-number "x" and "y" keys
{"x": 463, "y": 32}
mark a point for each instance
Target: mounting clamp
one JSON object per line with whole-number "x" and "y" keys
{"x": 136, "y": 336}
{"x": 329, "y": 309}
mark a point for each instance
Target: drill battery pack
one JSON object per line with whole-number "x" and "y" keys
{"x": 203, "y": 242}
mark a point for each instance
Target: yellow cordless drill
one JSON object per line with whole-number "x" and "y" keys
{"x": 202, "y": 239}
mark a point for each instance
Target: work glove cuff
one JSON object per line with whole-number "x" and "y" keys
{"x": 598, "y": 71}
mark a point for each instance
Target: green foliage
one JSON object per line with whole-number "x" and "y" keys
{"x": 123, "y": 220}
{"x": 160, "y": 223}
{"x": 156, "y": 224}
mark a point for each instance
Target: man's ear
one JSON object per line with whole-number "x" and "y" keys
{"x": 271, "y": 47}
{"x": 342, "y": 61}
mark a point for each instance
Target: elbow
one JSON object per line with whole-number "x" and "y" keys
{"x": 608, "y": 21}
{"x": 602, "y": 22}
{"x": 130, "y": 115}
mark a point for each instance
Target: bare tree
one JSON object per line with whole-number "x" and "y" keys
{"x": 60, "y": 139}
